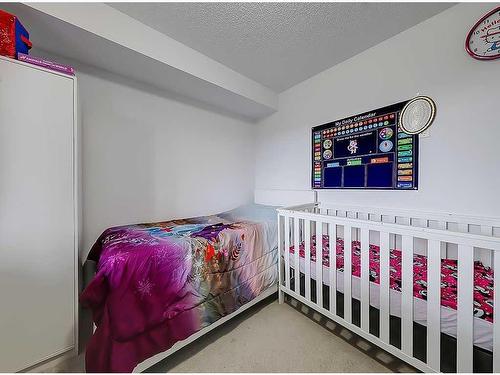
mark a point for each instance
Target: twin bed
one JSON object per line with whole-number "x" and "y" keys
{"x": 158, "y": 284}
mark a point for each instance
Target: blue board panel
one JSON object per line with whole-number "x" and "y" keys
{"x": 333, "y": 177}
{"x": 379, "y": 175}
{"x": 366, "y": 151}
{"x": 354, "y": 176}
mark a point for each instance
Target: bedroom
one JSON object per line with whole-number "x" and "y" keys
{"x": 180, "y": 110}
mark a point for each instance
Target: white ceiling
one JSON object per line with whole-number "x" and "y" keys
{"x": 280, "y": 44}
{"x": 146, "y": 58}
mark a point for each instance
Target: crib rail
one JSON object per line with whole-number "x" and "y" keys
{"x": 297, "y": 224}
{"x": 405, "y": 215}
{"x": 486, "y": 226}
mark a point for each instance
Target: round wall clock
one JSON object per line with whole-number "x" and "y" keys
{"x": 483, "y": 40}
{"x": 417, "y": 115}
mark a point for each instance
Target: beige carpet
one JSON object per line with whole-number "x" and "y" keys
{"x": 279, "y": 338}
{"x": 275, "y": 338}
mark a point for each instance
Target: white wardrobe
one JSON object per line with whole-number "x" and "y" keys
{"x": 38, "y": 215}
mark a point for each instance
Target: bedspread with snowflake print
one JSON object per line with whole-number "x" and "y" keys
{"x": 483, "y": 275}
{"x": 158, "y": 283}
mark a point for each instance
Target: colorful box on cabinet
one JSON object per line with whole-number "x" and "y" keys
{"x": 14, "y": 38}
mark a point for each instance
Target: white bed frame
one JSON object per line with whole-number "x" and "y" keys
{"x": 180, "y": 344}
{"x": 440, "y": 235}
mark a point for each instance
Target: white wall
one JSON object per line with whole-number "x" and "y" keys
{"x": 459, "y": 162}
{"x": 147, "y": 157}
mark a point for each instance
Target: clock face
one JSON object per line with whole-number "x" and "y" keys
{"x": 483, "y": 41}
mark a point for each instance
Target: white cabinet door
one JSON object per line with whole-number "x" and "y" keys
{"x": 36, "y": 216}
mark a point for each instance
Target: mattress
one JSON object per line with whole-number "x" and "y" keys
{"x": 483, "y": 288}
{"x": 159, "y": 283}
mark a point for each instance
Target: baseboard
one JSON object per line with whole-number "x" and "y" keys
{"x": 53, "y": 361}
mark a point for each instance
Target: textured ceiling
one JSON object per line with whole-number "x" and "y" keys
{"x": 280, "y": 44}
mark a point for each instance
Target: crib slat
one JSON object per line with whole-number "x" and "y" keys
{"x": 407, "y": 296}
{"x": 434, "y": 304}
{"x": 319, "y": 263}
{"x": 487, "y": 258}
{"x": 463, "y": 227}
{"x": 365, "y": 279}
{"x": 307, "y": 258}
{"x": 405, "y": 221}
{"x": 332, "y": 276}
{"x": 496, "y": 312}
{"x": 286, "y": 254}
{"x": 465, "y": 308}
{"x": 384, "y": 286}
{"x": 487, "y": 230}
{"x": 280, "y": 251}
{"x": 347, "y": 273}
{"x": 443, "y": 225}
{"x": 296, "y": 254}
{"x": 389, "y": 219}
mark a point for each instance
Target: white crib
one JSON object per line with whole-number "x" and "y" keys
{"x": 435, "y": 235}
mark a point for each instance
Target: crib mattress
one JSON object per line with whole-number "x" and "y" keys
{"x": 483, "y": 327}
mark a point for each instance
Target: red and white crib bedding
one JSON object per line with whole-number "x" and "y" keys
{"x": 483, "y": 286}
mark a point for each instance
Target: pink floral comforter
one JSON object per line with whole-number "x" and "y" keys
{"x": 159, "y": 283}
{"x": 483, "y": 276}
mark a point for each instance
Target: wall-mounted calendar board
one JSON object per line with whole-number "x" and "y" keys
{"x": 365, "y": 151}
